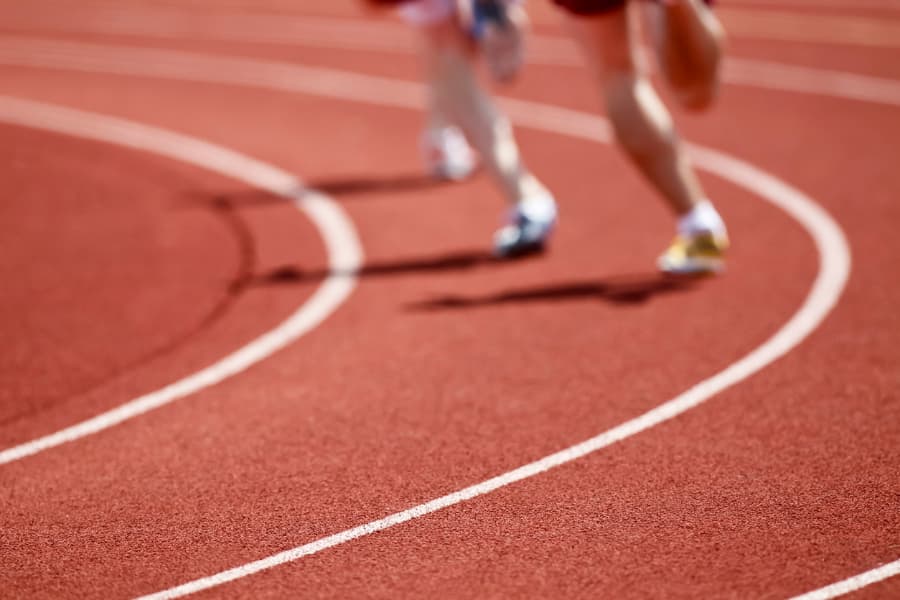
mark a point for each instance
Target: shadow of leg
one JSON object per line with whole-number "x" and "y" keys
{"x": 628, "y": 289}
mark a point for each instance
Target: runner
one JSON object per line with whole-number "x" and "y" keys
{"x": 688, "y": 41}
{"x": 461, "y": 113}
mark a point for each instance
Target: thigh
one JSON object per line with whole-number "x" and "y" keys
{"x": 608, "y": 39}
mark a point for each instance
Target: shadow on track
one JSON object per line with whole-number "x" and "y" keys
{"x": 624, "y": 289}
{"x": 341, "y": 187}
{"x": 454, "y": 261}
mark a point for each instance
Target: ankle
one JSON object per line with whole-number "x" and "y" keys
{"x": 702, "y": 218}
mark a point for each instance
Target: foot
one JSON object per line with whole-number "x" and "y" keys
{"x": 695, "y": 254}
{"x": 446, "y": 154}
{"x": 530, "y": 224}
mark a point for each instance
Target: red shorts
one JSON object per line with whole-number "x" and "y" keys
{"x": 578, "y": 7}
{"x": 594, "y": 7}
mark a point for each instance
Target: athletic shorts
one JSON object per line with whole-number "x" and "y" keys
{"x": 431, "y": 12}
{"x": 594, "y": 7}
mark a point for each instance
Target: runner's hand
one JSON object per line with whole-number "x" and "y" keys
{"x": 499, "y": 29}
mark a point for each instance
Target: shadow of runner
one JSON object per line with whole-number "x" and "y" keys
{"x": 454, "y": 261}
{"x": 355, "y": 185}
{"x": 342, "y": 187}
{"x": 626, "y": 289}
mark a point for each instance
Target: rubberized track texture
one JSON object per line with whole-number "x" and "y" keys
{"x": 251, "y": 351}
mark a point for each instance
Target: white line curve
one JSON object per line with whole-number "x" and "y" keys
{"x": 832, "y": 247}
{"x": 544, "y": 50}
{"x": 343, "y": 249}
{"x": 834, "y": 268}
{"x": 854, "y": 583}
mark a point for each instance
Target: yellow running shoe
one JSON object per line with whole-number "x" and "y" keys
{"x": 695, "y": 254}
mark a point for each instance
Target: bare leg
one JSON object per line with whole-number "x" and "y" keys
{"x": 457, "y": 97}
{"x": 643, "y": 126}
{"x": 688, "y": 40}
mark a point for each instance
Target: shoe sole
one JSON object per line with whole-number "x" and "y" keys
{"x": 521, "y": 250}
{"x": 708, "y": 266}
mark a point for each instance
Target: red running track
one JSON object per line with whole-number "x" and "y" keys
{"x": 126, "y": 271}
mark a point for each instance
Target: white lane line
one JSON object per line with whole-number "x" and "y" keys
{"x": 194, "y": 67}
{"x": 833, "y": 251}
{"x": 807, "y": 80}
{"x": 543, "y": 50}
{"x": 342, "y": 245}
{"x": 853, "y": 584}
{"x": 289, "y": 76}
{"x": 812, "y": 27}
{"x": 833, "y": 272}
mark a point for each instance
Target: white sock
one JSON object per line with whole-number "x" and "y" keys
{"x": 538, "y": 204}
{"x": 702, "y": 218}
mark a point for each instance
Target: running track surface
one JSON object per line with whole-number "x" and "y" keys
{"x": 124, "y": 271}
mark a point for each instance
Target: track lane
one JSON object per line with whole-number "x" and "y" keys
{"x": 76, "y": 225}
{"x": 587, "y": 232}
{"x": 158, "y": 281}
{"x": 386, "y": 240}
{"x": 263, "y": 32}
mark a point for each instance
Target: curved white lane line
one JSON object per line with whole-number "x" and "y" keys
{"x": 347, "y": 32}
{"x": 853, "y": 583}
{"x": 808, "y": 80}
{"x": 834, "y": 265}
{"x": 834, "y": 253}
{"x": 544, "y": 50}
{"x": 833, "y": 271}
{"x": 343, "y": 248}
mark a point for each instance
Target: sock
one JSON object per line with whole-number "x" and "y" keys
{"x": 700, "y": 219}
{"x": 538, "y": 205}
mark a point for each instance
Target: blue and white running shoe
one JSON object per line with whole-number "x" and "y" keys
{"x": 530, "y": 224}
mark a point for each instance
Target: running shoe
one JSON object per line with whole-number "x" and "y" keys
{"x": 695, "y": 254}
{"x": 446, "y": 154}
{"x": 530, "y": 224}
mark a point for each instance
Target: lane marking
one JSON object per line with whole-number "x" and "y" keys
{"x": 834, "y": 268}
{"x": 853, "y": 584}
{"x": 812, "y": 27}
{"x": 325, "y": 82}
{"x": 94, "y": 57}
{"x": 831, "y": 245}
{"x": 807, "y": 80}
{"x": 543, "y": 50}
{"x": 342, "y": 245}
